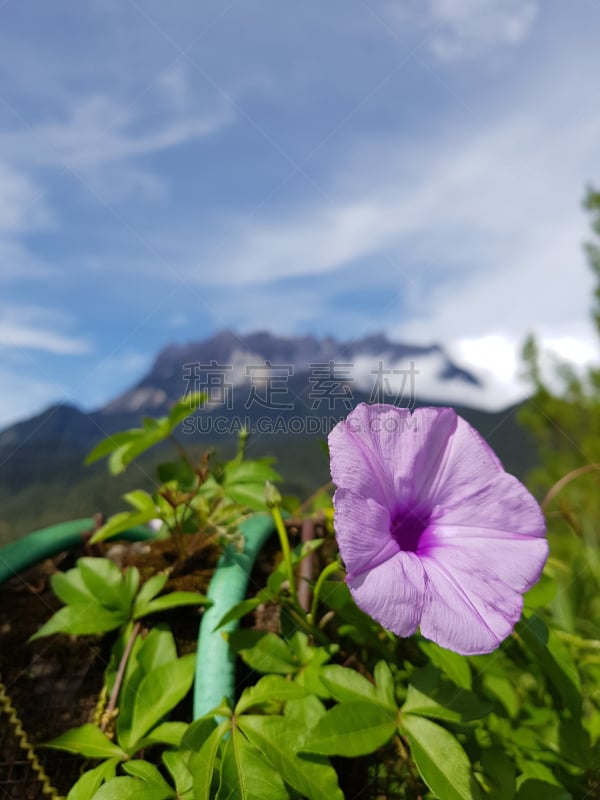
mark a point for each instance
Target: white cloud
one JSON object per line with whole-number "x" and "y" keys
{"x": 33, "y": 328}
{"x": 23, "y": 210}
{"x": 466, "y": 28}
{"x": 496, "y": 359}
{"x": 312, "y": 241}
{"x": 22, "y": 203}
{"x": 99, "y": 129}
{"x": 494, "y": 210}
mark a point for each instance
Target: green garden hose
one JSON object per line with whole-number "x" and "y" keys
{"x": 35, "y": 547}
{"x": 215, "y": 664}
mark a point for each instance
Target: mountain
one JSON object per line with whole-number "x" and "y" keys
{"x": 298, "y": 386}
{"x": 234, "y": 361}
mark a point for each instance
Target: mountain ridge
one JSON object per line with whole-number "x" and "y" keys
{"x": 315, "y": 383}
{"x": 165, "y": 382}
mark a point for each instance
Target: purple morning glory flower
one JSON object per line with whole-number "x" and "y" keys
{"x": 432, "y": 530}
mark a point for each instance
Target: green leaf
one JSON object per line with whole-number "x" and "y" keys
{"x": 276, "y": 579}
{"x": 541, "y": 594}
{"x": 122, "y": 522}
{"x": 249, "y": 472}
{"x": 502, "y": 689}
{"x": 305, "y": 652}
{"x": 535, "y": 771}
{"x": 131, "y": 584}
{"x": 70, "y": 588}
{"x": 351, "y": 729}
{"x": 440, "y": 759}
{"x": 126, "y": 788}
{"x": 158, "y": 649}
{"x": 81, "y": 621}
{"x": 105, "y": 581}
{"x": 166, "y": 733}
{"x": 177, "y": 767}
{"x": 87, "y": 740}
{"x": 155, "y": 650}
{"x": 347, "y": 684}
{"x": 246, "y": 774}
{"x": 534, "y": 789}
{"x": 384, "y": 685}
{"x": 554, "y": 659}
{"x": 264, "y": 652}
{"x": 148, "y": 591}
{"x": 278, "y": 737}
{"x": 271, "y": 688}
{"x": 356, "y": 624}
{"x": 244, "y": 482}
{"x": 249, "y": 495}
{"x": 91, "y": 780}
{"x": 202, "y": 763}
{"x": 454, "y": 666}
{"x": 140, "y": 440}
{"x": 501, "y": 772}
{"x": 238, "y": 611}
{"x": 173, "y": 600}
{"x": 304, "y": 550}
{"x": 111, "y": 443}
{"x": 184, "y": 408}
{"x": 140, "y": 500}
{"x": 575, "y": 743}
{"x": 430, "y": 696}
{"x": 157, "y": 694}
{"x": 305, "y": 712}
{"x": 150, "y": 776}
{"x": 198, "y": 732}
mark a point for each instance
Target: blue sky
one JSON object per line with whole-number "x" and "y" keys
{"x": 169, "y": 170}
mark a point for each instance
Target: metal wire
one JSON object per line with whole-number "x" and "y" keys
{"x": 7, "y": 708}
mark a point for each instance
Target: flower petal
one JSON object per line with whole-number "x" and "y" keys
{"x": 356, "y": 463}
{"x": 503, "y": 503}
{"x": 363, "y": 531}
{"x": 392, "y": 592}
{"x": 387, "y": 453}
{"x": 470, "y": 470}
{"x": 474, "y": 588}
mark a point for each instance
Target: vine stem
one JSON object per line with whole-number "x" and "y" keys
{"x": 330, "y": 569}
{"x": 181, "y": 450}
{"x": 112, "y": 703}
{"x": 324, "y": 488}
{"x": 310, "y": 629}
{"x": 566, "y": 479}
{"x": 306, "y": 566}
{"x": 285, "y": 549}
